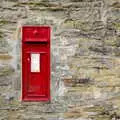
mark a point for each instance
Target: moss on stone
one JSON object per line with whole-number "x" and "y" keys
{"x": 116, "y": 25}
{"x": 1, "y": 34}
{"x": 77, "y": 0}
{"x": 40, "y": 4}
{"x": 81, "y": 89}
{"x": 56, "y": 9}
{"x": 45, "y": 6}
{"x": 117, "y": 51}
{"x": 101, "y": 117}
{"x": 5, "y": 71}
{"x": 72, "y": 115}
{"x": 2, "y": 22}
{"x": 98, "y": 109}
{"x": 77, "y": 24}
{"x": 5, "y": 57}
{"x": 35, "y": 4}
{"x": 12, "y": 0}
{"x": 116, "y": 5}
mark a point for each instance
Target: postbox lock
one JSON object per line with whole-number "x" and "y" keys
{"x": 35, "y": 32}
{"x": 28, "y": 59}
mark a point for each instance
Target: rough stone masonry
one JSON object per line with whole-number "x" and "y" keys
{"x": 85, "y": 53}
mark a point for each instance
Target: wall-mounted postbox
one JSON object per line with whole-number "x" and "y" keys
{"x": 35, "y": 63}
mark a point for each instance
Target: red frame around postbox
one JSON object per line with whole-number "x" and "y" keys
{"x": 36, "y": 39}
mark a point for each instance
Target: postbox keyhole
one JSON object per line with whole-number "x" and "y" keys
{"x": 35, "y": 32}
{"x": 28, "y": 59}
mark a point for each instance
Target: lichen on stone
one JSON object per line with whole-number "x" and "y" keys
{"x": 6, "y": 70}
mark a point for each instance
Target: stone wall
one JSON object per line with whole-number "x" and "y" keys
{"x": 85, "y": 52}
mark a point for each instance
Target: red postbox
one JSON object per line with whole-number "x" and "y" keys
{"x": 35, "y": 63}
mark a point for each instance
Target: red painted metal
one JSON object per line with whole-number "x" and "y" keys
{"x": 36, "y": 85}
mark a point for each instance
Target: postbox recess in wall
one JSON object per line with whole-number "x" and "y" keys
{"x": 36, "y": 63}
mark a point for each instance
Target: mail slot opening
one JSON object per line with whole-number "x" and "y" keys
{"x": 36, "y": 34}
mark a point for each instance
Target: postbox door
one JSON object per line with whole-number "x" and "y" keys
{"x": 37, "y": 81}
{"x": 36, "y": 75}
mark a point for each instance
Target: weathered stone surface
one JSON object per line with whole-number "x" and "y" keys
{"x": 85, "y": 59}
{"x": 6, "y": 70}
